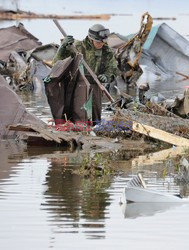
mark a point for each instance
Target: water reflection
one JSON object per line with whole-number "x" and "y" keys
{"x": 11, "y": 153}
{"x": 134, "y": 210}
{"x": 36, "y": 103}
{"x": 43, "y": 205}
{"x": 74, "y": 202}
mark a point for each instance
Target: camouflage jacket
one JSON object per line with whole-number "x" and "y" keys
{"x": 101, "y": 61}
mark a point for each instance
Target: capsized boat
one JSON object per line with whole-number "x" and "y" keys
{"x": 136, "y": 191}
{"x": 138, "y": 194}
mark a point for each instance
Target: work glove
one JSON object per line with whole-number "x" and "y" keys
{"x": 47, "y": 79}
{"x": 103, "y": 78}
{"x": 68, "y": 41}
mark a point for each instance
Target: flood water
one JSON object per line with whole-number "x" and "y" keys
{"x": 44, "y": 205}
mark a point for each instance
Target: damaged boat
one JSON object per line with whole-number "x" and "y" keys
{"x": 137, "y": 191}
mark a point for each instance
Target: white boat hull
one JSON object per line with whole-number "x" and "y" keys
{"x": 136, "y": 194}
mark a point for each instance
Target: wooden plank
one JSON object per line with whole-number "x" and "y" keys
{"x": 171, "y": 125}
{"x": 51, "y": 135}
{"x": 37, "y": 135}
{"x": 45, "y": 133}
{"x": 160, "y": 134}
{"x": 36, "y": 139}
{"x": 20, "y": 127}
{"x": 34, "y": 131}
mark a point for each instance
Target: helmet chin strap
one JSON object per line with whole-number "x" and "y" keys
{"x": 91, "y": 39}
{"x": 98, "y": 41}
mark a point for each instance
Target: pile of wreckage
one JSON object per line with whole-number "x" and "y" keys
{"x": 152, "y": 60}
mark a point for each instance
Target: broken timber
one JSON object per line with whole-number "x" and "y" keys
{"x": 160, "y": 134}
{"x": 40, "y": 136}
{"x": 172, "y": 125}
{"x": 157, "y": 127}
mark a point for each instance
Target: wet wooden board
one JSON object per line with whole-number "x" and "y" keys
{"x": 33, "y": 128}
{"x": 160, "y": 134}
{"x": 169, "y": 124}
{"x": 36, "y": 135}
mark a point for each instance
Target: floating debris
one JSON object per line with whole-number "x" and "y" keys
{"x": 10, "y": 15}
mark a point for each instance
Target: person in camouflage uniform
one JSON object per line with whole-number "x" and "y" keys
{"x": 98, "y": 56}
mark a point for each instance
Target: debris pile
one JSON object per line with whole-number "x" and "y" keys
{"x": 23, "y": 58}
{"x": 153, "y": 111}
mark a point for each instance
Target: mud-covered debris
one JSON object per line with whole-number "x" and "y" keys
{"x": 180, "y": 105}
{"x": 157, "y": 109}
{"x": 36, "y": 135}
{"x": 95, "y": 166}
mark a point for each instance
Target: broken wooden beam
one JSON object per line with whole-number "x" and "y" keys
{"x": 146, "y": 124}
{"x": 172, "y": 125}
{"x": 160, "y": 134}
{"x": 40, "y": 136}
{"x": 45, "y": 133}
{"x": 119, "y": 123}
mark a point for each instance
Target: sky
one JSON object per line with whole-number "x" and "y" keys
{"x": 47, "y": 32}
